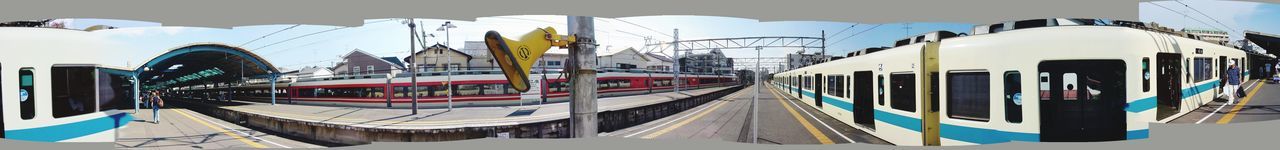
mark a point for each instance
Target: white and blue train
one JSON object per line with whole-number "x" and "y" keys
{"x": 1052, "y": 80}
{"x": 53, "y": 91}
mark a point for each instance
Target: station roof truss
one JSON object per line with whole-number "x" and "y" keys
{"x": 203, "y": 63}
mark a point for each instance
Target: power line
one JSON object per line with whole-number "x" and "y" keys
{"x": 318, "y": 42}
{"x": 1184, "y": 15}
{"x": 646, "y": 28}
{"x": 855, "y": 34}
{"x": 314, "y": 33}
{"x": 842, "y": 31}
{"x": 272, "y": 33}
{"x": 1206, "y": 16}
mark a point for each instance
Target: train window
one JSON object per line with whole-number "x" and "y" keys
{"x": 1069, "y": 87}
{"x": 492, "y": 89}
{"x": 1203, "y": 68}
{"x": 903, "y": 91}
{"x": 114, "y": 91}
{"x": 1146, "y": 74}
{"x": 1044, "y": 86}
{"x": 842, "y": 88}
{"x": 466, "y": 89}
{"x": 880, "y": 89}
{"x": 1013, "y": 96}
{"x": 27, "y": 93}
{"x": 969, "y": 96}
{"x": 70, "y": 96}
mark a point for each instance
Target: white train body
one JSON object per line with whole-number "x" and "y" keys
{"x": 1110, "y": 99}
{"x": 31, "y": 55}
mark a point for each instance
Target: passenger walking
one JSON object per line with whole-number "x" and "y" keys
{"x": 156, "y": 103}
{"x": 1233, "y": 82}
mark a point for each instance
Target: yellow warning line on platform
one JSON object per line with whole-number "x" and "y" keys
{"x": 224, "y": 131}
{"x": 822, "y": 138}
{"x": 1232, "y": 114}
{"x": 691, "y": 119}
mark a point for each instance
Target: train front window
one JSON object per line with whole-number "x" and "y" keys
{"x": 70, "y": 96}
{"x": 969, "y": 96}
{"x": 27, "y": 93}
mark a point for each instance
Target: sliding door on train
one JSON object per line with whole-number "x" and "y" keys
{"x": 1082, "y": 100}
{"x": 818, "y": 84}
{"x": 862, "y": 99}
{"x": 1168, "y": 87}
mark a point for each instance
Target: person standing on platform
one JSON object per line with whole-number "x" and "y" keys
{"x": 156, "y": 103}
{"x": 1233, "y": 82}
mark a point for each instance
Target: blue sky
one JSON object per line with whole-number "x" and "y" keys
{"x": 139, "y": 41}
{"x": 1237, "y": 15}
{"x": 388, "y": 37}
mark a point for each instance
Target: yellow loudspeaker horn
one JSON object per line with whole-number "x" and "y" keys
{"x": 516, "y": 57}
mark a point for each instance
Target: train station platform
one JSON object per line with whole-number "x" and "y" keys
{"x": 355, "y": 125}
{"x": 184, "y": 129}
{"x": 1262, "y": 103}
{"x": 781, "y": 121}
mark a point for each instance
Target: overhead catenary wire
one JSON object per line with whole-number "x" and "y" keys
{"x": 842, "y": 31}
{"x": 1184, "y": 15}
{"x": 1206, "y": 16}
{"x": 855, "y": 34}
{"x": 272, "y": 33}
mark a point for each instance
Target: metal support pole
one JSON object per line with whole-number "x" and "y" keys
{"x": 448, "y": 67}
{"x": 273, "y": 88}
{"x": 412, "y": 57}
{"x": 824, "y": 46}
{"x": 136, "y": 90}
{"x": 755, "y": 101}
{"x": 388, "y": 87}
{"x": 583, "y": 121}
{"x": 676, "y": 49}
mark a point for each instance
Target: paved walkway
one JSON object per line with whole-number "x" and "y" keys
{"x": 782, "y": 121}
{"x": 184, "y": 129}
{"x": 385, "y": 118}
{"x": 1261, "y": 104}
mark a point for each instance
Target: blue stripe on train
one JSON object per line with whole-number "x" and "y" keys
{"x": 72, "y": 130}
{"x": 1149, "y": 103}
{"x": 954, "y": 132}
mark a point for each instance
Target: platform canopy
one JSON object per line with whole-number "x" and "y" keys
{"x": 203, "y": 63}
{"x": 1269, "y": 42}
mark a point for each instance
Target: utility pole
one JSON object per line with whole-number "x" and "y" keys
{"x": 583, "y": 121}
{"x": 676, "y": 49}
{"x": 412, "y": 53}
{"x": 824, "y": 45}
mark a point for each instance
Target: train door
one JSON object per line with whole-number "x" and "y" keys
{"x": 1222, "y": 73}
{"x": 929, "y": 63}
{"x": 798, "y": 84}
{"x": 818, "y": 82}
{"x": 1082, "y": 100}
{"x": 862, "y": 99}
{"x": 1168, "y": 87}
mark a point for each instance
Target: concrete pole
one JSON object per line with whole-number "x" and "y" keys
{"x": 414, "y": 77}
{"x": 273, "y": 88}
{"x": 675, "y": 44}
{"x": 583, "y": 121}
{"x": 448, "y": 67}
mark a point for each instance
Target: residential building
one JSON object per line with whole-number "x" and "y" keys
{"x": 359, "y": 62}
{"x": 711, "y": 62}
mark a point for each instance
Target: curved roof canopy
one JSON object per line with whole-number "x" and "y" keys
{"x": 1269, "y": 42}
{"x": 203, "y": 63}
